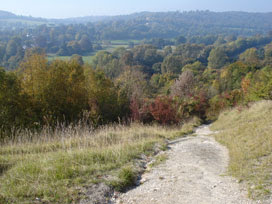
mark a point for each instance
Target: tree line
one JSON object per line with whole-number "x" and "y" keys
{"x": 84, "y": 35}
{"x": 144, "y": 84}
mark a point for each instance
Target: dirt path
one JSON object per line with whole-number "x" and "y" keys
{"x": 193, "y": 174}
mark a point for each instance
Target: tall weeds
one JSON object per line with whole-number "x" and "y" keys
{"x": 55, "y": 165}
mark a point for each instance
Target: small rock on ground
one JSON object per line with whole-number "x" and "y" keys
{"x": 193, "y": 174}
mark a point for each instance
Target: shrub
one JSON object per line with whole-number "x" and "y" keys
{"x": 164, "y": 110}
{"x": 222, "y": 102}
{"x": 140, "y": 111}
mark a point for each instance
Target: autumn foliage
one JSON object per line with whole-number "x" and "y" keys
{"x": 142, "y": 84}
{"x": 164, "y": 110}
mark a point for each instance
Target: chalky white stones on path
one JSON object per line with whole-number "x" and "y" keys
{"x": 195, "y": 173}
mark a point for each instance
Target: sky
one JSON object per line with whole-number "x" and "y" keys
{"x": 77, "y": 8}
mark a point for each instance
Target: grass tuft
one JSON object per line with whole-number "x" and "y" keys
{"x": 127, "y": 177}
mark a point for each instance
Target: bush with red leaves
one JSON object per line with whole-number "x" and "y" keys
{"x": 140, "y": 111}
{"x": 164, "y": 110}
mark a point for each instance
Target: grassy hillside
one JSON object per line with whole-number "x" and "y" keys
{"x": 248, "y": 135}
{"x": 56, "y": 166}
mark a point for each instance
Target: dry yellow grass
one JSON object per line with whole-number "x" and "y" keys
{"x": 248, "y": 135}
{"x": 54, "y": 166}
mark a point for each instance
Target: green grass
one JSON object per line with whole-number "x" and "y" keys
{"x": 112, "y": 47}
{"x": 52, "y": 57}
{"x": 124, "y": 42}
{"x": 248, "y": 135}
{"x": 89, "y": 59}
{"x": 86, "y": 59}
{"x": 159, "y": 160}
{"x": 118, "y": 43}
{"x": 127, "y": 176}
{"x": 55, "y": 166}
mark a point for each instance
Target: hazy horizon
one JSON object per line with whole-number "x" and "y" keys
{"x": 71, "y": 8}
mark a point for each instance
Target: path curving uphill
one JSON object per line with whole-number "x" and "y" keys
{"x": 195, "y": 173}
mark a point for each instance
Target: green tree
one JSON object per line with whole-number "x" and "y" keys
{"x": 181, "y": 39}
{"x": 15, "y": 108}
{"x": 232, "y": 75}
{"x": 197, "y": 67}
{"x": 250, "y": 57}
{"x": 161, "y": 83}
{"x": 167, "y": 50}
{"x": 146, "y": 55}
{"x": 106, "y": 62}
{"x": 105, "y": 102}
{"x": 268, "y": 54}
{"x": 73, "y": 47}
{"x": 65, "y": 95}
{"x": 77, "y": 58}
{"x": 41, "y": 41}
{"x": 172, "y": 64}
{"x": 217, "y": 58}
{"x": 119, "y": 52}
{"x": 259, "y": 85}
{"x": 13, "y": 46}
{"x": 34, "y": 76}
{"x": 57, "y": 90}
{"x": 85, "y": 44}
{"x": 189, "y": 52}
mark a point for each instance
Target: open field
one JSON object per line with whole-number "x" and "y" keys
{"x": 110, "y": 47}
{"x": 125, "y": 42}
{"x": 56, "y": 166}
{"x": 113, "y": 44}
{"x": 52, "y": 57}
{"x": 248, "y": 135}
{"x": 86, "y": 59}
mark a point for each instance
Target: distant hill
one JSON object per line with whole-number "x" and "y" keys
{"x": 192, "y": 23}
{"x": 84, "y": 20}
{"x": 9, "y": 20}
{"x": 158, "y": 24}
{"x": 227, "y": 18}
{"x": 6, "y": 14}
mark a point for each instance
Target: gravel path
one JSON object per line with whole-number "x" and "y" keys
{"x": 193, "y": 174}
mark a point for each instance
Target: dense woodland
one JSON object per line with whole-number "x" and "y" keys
{"x": 183, "y": 67}
{"x": 147, "y": 84}
{"x": 86, "y": 35}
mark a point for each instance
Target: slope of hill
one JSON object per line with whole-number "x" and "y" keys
{"x": 171, "y": 24}
{"x": 191, "y": 174}
{"x": 247, "y": 134}
{"x": 61, "y": 167}
{"x": 9, "y": 21}
{"x": 163, "y": 24}
{"x": 6, "y": 14}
